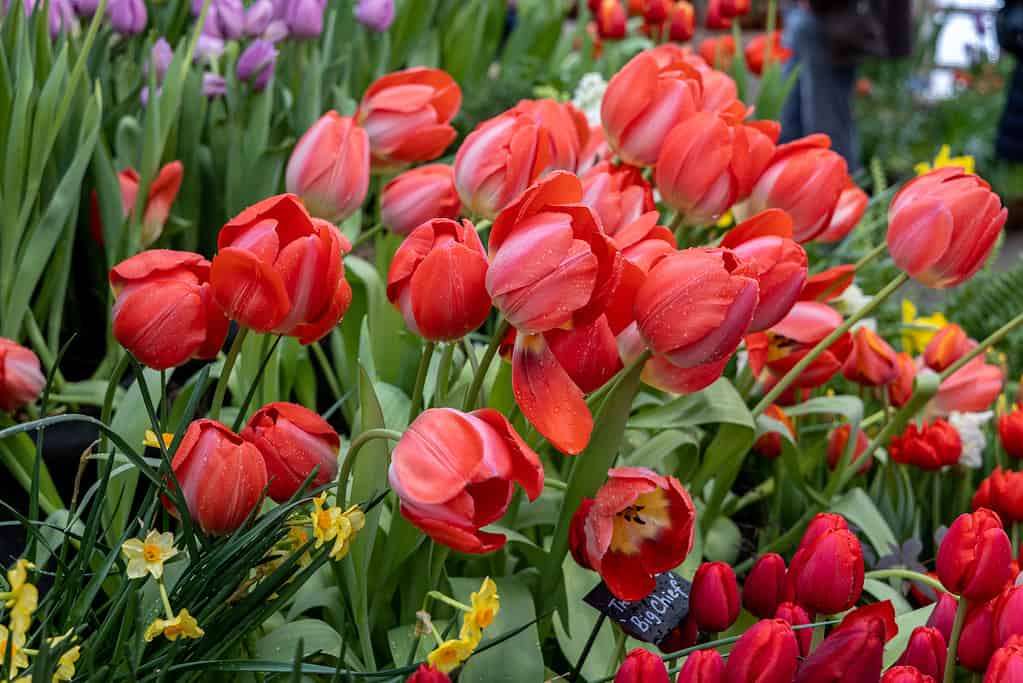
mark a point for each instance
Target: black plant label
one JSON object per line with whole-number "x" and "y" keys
{"x": 652, "y": 618}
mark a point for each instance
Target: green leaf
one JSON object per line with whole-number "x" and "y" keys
{"x": 906, "y": 623}
{"x": 858, "y": 508}
{"x": 316, "y": 636}
{"x": 723, "y": 541}
{"x": 883, "y": 591}
{"x": 581, "y": 619}
{"x": 718, "y": 403}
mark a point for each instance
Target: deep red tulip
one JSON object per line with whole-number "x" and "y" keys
{"x": 611, "y": 20}
{"x": 1008, "y": 615}
{"x": 715, "y": 20}
{"x": 222, "y": 476}
{"x": 641, "y": 524}
{"x": 21, "y": 378}
{"x": 976, "y": 642}
{"x": 854, "y": 651}
{"x": 293, "y": 441}
{"x": 766, "y": 586}
{"x": 1002, "y": 491}
{"x": 682, "y": 21}
{"x": 942, "y": 226}
{"x": 696, "y": 305}
{"x": 970, "y": 389}
{"x": 619, "y": 195}
{"x": 164, "y": 311}
{"x": 781, "y": 347}
{"x": 642, "y": 666}
{"x": 975, "y": 555}
{"x": 438, "y": 280}
{"x": 766, "y": 653}
{"x": 551, "y": 266}
{"x": 455, "y": 472}
{"x": 829, "y": 284}
{"x": 837, "y": 445}
{"x": 943, "y": 615}
{"x": 906, "y": 674}
{"x": 872, "y": 361}
{"x": 714, "y": 598}
{"x": 568, "y": 128}
{"x": 765, "y": 240}
{"x": 820, "y": 524}
{"x": 645, "y": 100}
{"x": 407, "y": 115}
{"x": 734, "y": 8}
{"x": 756, "y": 52}
{"x": 279, "y": 270}
{"x": 924, "y": 594}
{"x": 932, "y": 447}
{"x": 852, "y": 204}
{"x": 428, "y": 674}
{"x": 656, "y": 11}
{"x": 1010, "y": 431}
{"x": 769, "y": 444}
{"x": 797, "y": 616}
{"x": 946, "y": 347}
{"x": 926, "y": 651}
{"x": 162, "y": 192}
{"x": 681, "y": 637}
{"x": 901, "y": 388}
{"x": 827, "y": 573}
{"x": 329, "y": 168}
{"x": 702, "y": 666}
{"x": 1006, "y": 664}
{"x": 588, "y": 353}
{"x": 419, "y": 195}
{"x": 806, "y": 179}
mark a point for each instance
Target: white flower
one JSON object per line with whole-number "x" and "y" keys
{"x": 851, "y": 300}
{"x": 971, "y": 432}
{"x": 588, "y": 96}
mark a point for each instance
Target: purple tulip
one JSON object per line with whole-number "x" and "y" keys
{"x": 375, "y": 14}
{"x": 62, "y": 17}
{"x": 257, "y": 17}
{"x": 257, "y": 63}
{"x": 85, "y": 8}
{"x": 208, "y": 48}
{"x": 160, "y": 59}
{"x": 276, "y": 31}
{"x": 127, "y": 17}
{"x": 305, "y": 18}
{"x": 213, "y": 85}
{"x": 27, "y": 5}
{"x": 225, "y": 19}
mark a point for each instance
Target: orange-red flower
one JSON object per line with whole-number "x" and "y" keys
{"x": 872, "y": 361}
{"x": 970, "y": 389}
{"x": 975, "y": 556}
{"x": 164, "y": 312}
{"x": 837, "y": 443}
{"x": 1010, "y": 431}
{"x": 162, "y": 193}
{"x": 611, "y": 20}
{"x": 640, "y": 524}
{"x": 567, "y": 127}
{"x": 779, "y": 348}
{"x": 681, "y": 21}
{"x": 828, "y": 284}
{"x": 277, "y": 269}
{"x": 901, "y": 388}
{"x": 419, "y": 195}
{"x": 756, "y": 52}
{"x": 1002, "y": 491}
{"x": 329, "y": 168}
{"x": 769, "y": 444}
{"x": 942, "y": 226}
{"x": 931, "y": 447}
{"x": 455, "y": 472}
{"x": 407, "y": 116}
{"x": 618, "y": 194}
{"x": 21, "y": 378}
{"x": 852, "y": 204}
{"x": 947, "y": 346}
{"x": 438, "y": 280}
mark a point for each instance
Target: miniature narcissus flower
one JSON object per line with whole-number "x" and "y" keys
{"x": 332, "y": 524}
{"x": 148, "y": 556}
{"x": 183, "y": 625}
{"x": 23, "y": 597}
{"x": 485, "y": 606}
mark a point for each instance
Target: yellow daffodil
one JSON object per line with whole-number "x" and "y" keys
{"x": 148, "y": 556}
{"x": 351, "y": 522}
{"x": 918, "y": 331}
{"x": 485, "y": 605}
{"x": 16, "y": 640}
{"x": 182, "y": 626}
{"x": 66, "y": 665}
{"x": 333, "y": 524}
{"x": 944, "y": 158}
{"x": 151, "y": 442}
{"x": 23, "y": 598}
{"x": 448, "y": 655}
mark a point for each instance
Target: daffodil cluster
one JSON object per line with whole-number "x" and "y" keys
{"x": 20, "y": 600}
{"x": 476, "y": 617}
{"x": 917, "y": 331}
{"x": 146, "y": 557}
{"x": 333, "y": 525}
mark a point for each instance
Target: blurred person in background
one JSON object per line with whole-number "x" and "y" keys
{"x": 1009, "y": 143}
{"x": 828, "y": 38}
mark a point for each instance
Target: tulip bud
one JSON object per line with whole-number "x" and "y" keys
{"x": 854, "y": 651}
{"x": 766, "y": 586}
{"x": 974, "y": 559}
{"x": 714, "y": 599}
{"x": 428, "y": 674}
{"x": 258, "y": 17}
{"x": 162, "y": 192}
{"x": 1002, "y": 492}
{"x": 256, "y": 64}
{"x": 620, "y": 197}
{"x": 305, "y": 18}
{"x": 682, "y": 21}
{"x": 1006, "y": 665}
{"x": 85, "y": 8}
{"x": 611, "y": 20}
{"x": 871, "y": 361}
{"x": 852, "y": 204}
{"x": 901, "y": 388}
{"x": 716, "y": 21}
{"x": 642, "y": 666}
{"x": 942, "y": 226}
{"x": 976, "y": 642}
{"x": 769, "y": 444}
{"x": 766, "y": 653}
{"x": 293, "y": 441}
{"x": 926, "y": 651}
{"x": 837, "y": 445}
{"x": 211, "y": 461}
{"x": 21, "y": 379}
{"x": 225, "y": 19}
{"x": 207, "y": 49}
{"x": 1010, "y": 431}
{"x": 159, "y": 59}
{"x": 655, "y": 12}
{"x": 127, "y": 17}
{"x": 946, "y": 347}
{"x": 213, "y": 85}
{"x": 943, "y": 616}
{"x": 702, "y": 666}
{"x": 934, "y": 446}
{"x": 419, "y": 195}
{"x": 329, "y": 168}
{"x": 827, "y": 573}
{"x": 377, "y": 15}
{"x": 970, "y": 389}
{"x": 1008, "y": 616}
{"x": 797, "y": 616}
{"x": 906, "y": 674}
{"x": 820, "y": 524}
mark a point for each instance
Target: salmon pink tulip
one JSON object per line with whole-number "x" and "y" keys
{"x": 162, "y": 193}
{"x": 781, "y": 347}
{"x": 21, "y": 378}
{"x": 618, "y": 194}
{"x": 829, "y": 284}
{"x": 970, "y": 389}
{"x": 329, "y": 168}
{"x": 419, "y": 195}
{"x": 567, "y": 127}
{"x": 852, "y": 204}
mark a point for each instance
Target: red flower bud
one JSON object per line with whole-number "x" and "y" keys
{"x": 797, "y": 616}
{"x": 766, "y": 586}
{"x": 837, "y": 444}
{"x": 757, "y": 59}
{"x": 642, "y": 666}
{"x": 901, "y": 388}
{"x": 827, "y": 574}
{"x": 970, "y": 389}
{"x": 21, "y": 379}
{"x": 714, "y": 600}
{"x": 853, "y": 652}
{"x": 329, "y": 168}
{"x": 926, "y": 650}
{"x": 427, "y": 674}
{"x": 702, "y": 666}
{"x": 419, "y": 195}
{"x": 1010, "y": 431}
{"x": 975, "y": 556}
{"x": 906, "y": 674}
{"x": 943, "y": 616}
{"x": 683, "y": 21}
{"x": 871, "y": 361}
{"x": 1006, "y": 665}
{"x": 766, "y": 653}
{"x": 976, "y": 642}
{"x": 934, "y": 446}
{"x": 1002, "y": 492}
{"x": 769, "y": 444}
{"x": 1008, "y": 616}
{"x": 611, "y": 20}
{"x": 946, "y": 347}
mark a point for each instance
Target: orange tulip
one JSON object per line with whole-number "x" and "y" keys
{"x": 419, "y": 195}
{"x": 756, "y": 52}
{"x": 837, "y": 443}
{"x": 682, "y": 21}
{"x": 329, "y": 168}
{"x": 901, "y": 388}
{"x": 611, "y": 20}
{"x": 947, "y": 346}
{"x": 718, "y": 52}
{"x": 871, "y": 361}
{"x": 971, "y": 389}
{"x": 162, "y": 193}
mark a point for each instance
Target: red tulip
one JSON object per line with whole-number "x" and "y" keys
{"x": 611, "y": 20}
{"x": 681, "y": 637}
{"x": 769, "y": 444}
{"x": 765, "y": 240}
{"x": 222, "y": 476}
{"x": 656, "y": 11}
{"x": 975, "y": 555}
{"x": 702, "y": 666}
{"x": 499, "y": 159}
{"x": 901, "y": 388}
{"x": 1008, "y": 615}
{"x": 766, "y": 586}
{"x": 641, "y": 524}
{"x": 852, "y": 204}
{"x": 734, "y": 8}
{"x": 829, "y": 284}
{"x": 645, "y": 100}
{"x": 821, "y": 524}
{"x": 661, "y": 373}
{"x": 806, "y": 179}
{"x": 837, "y": 445}
{"x": 162, "y": 192}
{"x": 619, "y": 195}
{"x": 568, "y": 128}
{"x": 872, "y": 361}
{"x": 407, "y": 116}
{"x": 21, "y": 378}
{"x": 756, "y": 52}
{"x": 942, "y": 226}
{"x": 715, "y": 21}
{"x": 1002, "y": 492}
{"x": 781, "y": 347}
{"x": 944, "y": 614}
{"x": 766, "y": 653}
{"x": 970, "y": 389}
{"x": 696, "y": 305}
{"x": 293, "y": 441}
{"x": 926, "y": 651}
{"x": 455, "y": 472}
{"x": 719, "y": 89}
{"x": 682, "y": 21}
{"x": 932, "y": 447}
{"x": 589, "y": 353}
{"x": 279, "y": 270}
{"x": 854, "y": 651}
{"x": 976, "y": 642}
{"x": 329, "y": 168}
{"x": 419, "y": 195}
{"x": 1006, "y": 664}
{"x": 594, "y": 151}
{"x": 438, "y": 280}
{"x": 714, "y": 598}
{"x": 577, "y": 533}
{"x": 642, "y": 666}
{"x": 428, "y": 674}
{"x": 827, "y": 572}
{"x": 551, "y": 266}
{"x": 164, "y": 311}
{"x": 797, "y": 616}
{"x": 906, "y": 674}
{"x": 946, "y": 347}
{"x": 1010, "y": 431}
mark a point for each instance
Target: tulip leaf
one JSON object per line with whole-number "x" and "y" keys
{"x": 883, "y": 591}
{"x": 723, "y": 541}
{"x": 859, "y": 509}
{"x": 315, "y": 635}
{"x": 718, "y": 403}
{"x": 573, "y": 626}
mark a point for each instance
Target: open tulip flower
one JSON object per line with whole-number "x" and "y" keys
{"x": 778, "y": 349}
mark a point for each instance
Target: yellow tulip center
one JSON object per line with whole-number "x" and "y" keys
{"x": 641, "y": 521}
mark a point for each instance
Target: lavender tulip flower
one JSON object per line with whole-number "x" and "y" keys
{"x": 208, "y": 48}
{"x": 127, "y": 17}
{"x": 62, "y": 17}
{"x": 375, "y": 14}
{"x": 213, "y": 85}
{"x": 257, "y": 63}
{"x": 257, "y": 17}
{"x": 305, "y": 18}
{"x": 159, "y": 58}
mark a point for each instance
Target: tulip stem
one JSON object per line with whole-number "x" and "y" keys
{"x": 907, "y": 574}
{"x": 225, "y": 372}
{"x": 415, "y": 407}
{"x": 488, "y": 356}
{"x": 365, "y": 235}
{"x": 818, "y": 637}
{"x": 577, "y": 669}
{"x": 953, "y": 641}
{"x": 870, "y": 256}
{"x": 992, "y": 339}
{"x": 678, "y": 227}
{"x": 825, "y": 343}
{"x": 444, "y": 374}
{"x": 353, "y": 451}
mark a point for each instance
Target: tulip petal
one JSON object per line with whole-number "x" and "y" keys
{"x": 464, "y": 539}
{"x": 588, "y": 354}
{"x": 919, "y": 233}
{"x": 249, "y": 291}
{"x": 449, "y": 292}
{"x": 164, "y": 328}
